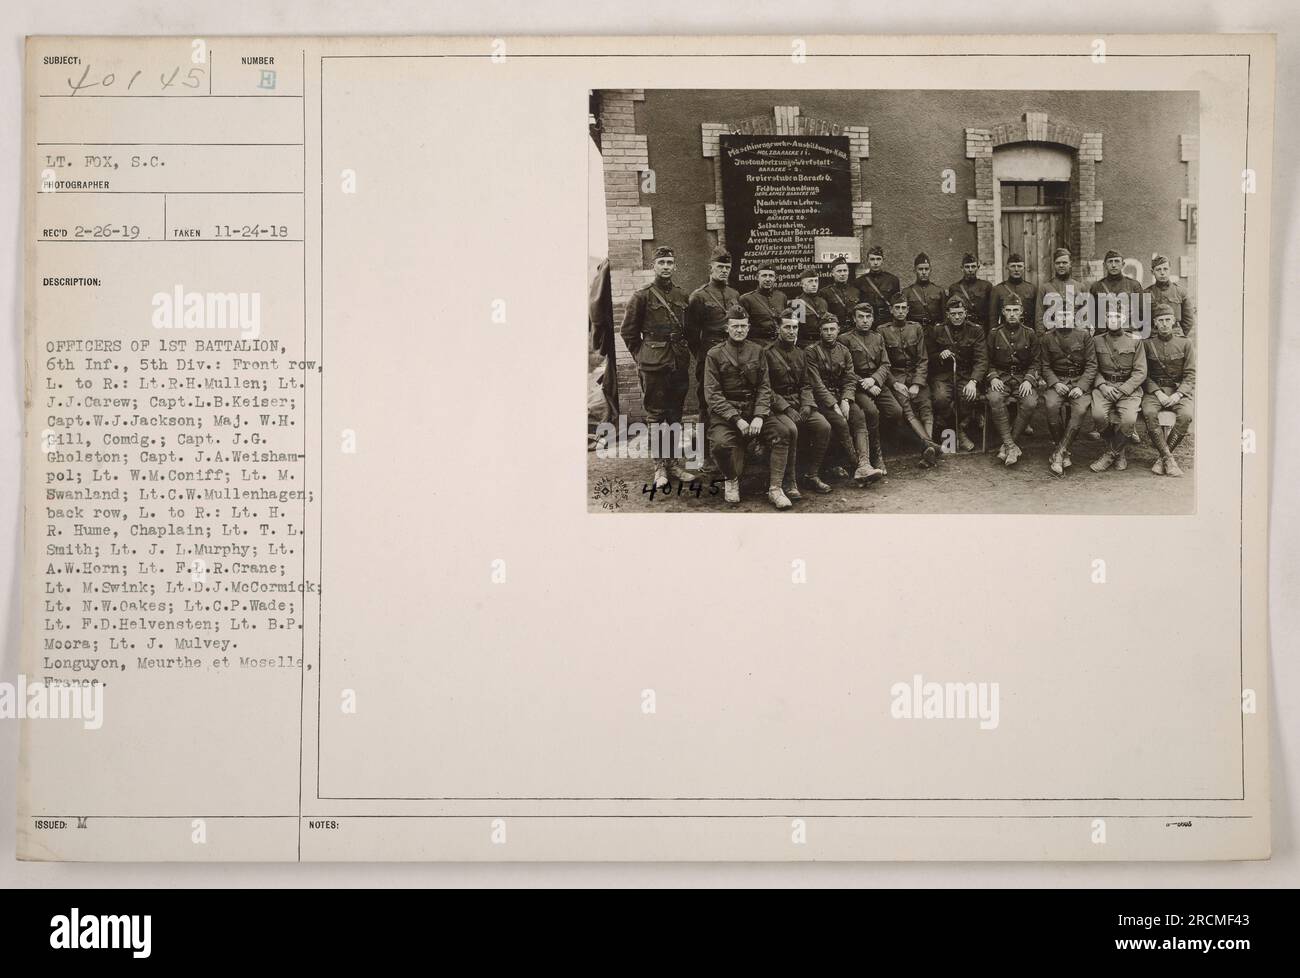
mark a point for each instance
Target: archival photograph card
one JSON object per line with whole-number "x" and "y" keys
{"x": 922, "y": 513}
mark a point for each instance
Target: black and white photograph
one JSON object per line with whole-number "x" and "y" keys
{"x": 893, "y": 301}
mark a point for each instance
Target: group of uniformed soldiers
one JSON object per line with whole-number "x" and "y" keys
{"x": 816, "y": 372}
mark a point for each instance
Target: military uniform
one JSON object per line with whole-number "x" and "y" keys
{"x": 969, "y": 347}
{"x": 1175, "y": 296}
{"x": 1013, "y": 359}
{"x": 794, "y": 406}
{"x": 908, "y": 365}
{"x": 974, "y": 295}
{"x": 1048, "y": 308}
{"x": 1119, "y": 285}
{"x": 706, "y": 327}
{"x": 1121, "y": 360}
{"x": 1069, "y": 357}
{"x": 706, "y": 318}
{"x": 870, "y": 362}
{"x": 924, "y": 303}
{"x": 654, "y": 331}
{"x": 840, "y": 300}
{"x": 1171, "y": 368}
{"x": 878, "y": 288}
{"x": 737, "y": 387}
{"x": 810, "y": 326}
{"x": 832, "y": 379}
{"x": 764, "y": 313}
{"x": 1004, "y": 290}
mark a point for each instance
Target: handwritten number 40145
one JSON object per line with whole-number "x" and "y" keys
{"x": 192, "y": 78}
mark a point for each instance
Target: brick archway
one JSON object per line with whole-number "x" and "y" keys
{"x": 1085, "y": 206}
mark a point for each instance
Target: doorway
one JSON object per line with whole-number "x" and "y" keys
{"x": 1035, "y": 216}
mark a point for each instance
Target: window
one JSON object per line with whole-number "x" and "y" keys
{"x": 1053, "y": 194}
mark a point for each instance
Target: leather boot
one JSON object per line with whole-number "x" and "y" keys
{"x": 778, "y": 498}
{"x": 678, "y": 470}
{"x": 815, "y": 480}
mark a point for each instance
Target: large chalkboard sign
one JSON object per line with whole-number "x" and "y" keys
{"x": 778, "y": 194}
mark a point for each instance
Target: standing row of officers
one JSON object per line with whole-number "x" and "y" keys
{"x": 816, "y": 373}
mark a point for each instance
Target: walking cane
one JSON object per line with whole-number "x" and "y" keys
{"x": 956, "y": 403}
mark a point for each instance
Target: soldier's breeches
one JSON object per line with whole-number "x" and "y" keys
{"x": 941, "y": 395}
{"x": 780, "y": 442}
{"x": 789, "y": 420}
{"x": 1001, "y": 416}
{"x": 844, "y": 431}
{"x": 894, "y": 408}
{"x": 663, "y": 395}
{"x": 867, "y": 405}
{"x": 1151, "y": 408}
{"x": 858, "y": 431}
{"x": 727, "y": 446}
{"x": 923, "y": 408}
{"x": 1121, "y": 413}
{"x": 808, "y": 449}
{"x": 727, "y": 449}
{"x": 1076, "y": 408}
{"x": 999, "y": 408}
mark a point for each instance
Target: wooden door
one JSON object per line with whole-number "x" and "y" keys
{"x": 1036, "y": 233}
{"x": 1033, "y": 223}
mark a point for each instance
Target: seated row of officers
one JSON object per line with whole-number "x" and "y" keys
{"x": 807, "y": 380}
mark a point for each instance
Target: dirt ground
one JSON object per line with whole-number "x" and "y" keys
{"x": 964, "y": 483}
